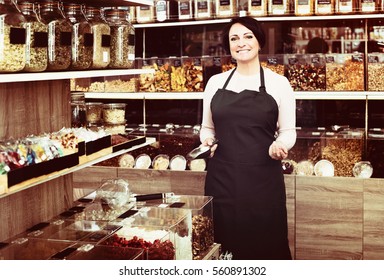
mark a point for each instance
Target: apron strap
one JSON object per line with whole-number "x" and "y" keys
{"x": 262, "y": 82}
{"x": 229, "y": 78}
{"x": 262, "y": 88}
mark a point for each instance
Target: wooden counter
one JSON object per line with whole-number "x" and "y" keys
{"x": 329, "y": 218}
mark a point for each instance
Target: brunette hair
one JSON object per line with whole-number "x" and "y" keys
{"x": 250, "y": 23}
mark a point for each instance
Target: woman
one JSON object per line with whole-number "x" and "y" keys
{"x": 251, "y": 111}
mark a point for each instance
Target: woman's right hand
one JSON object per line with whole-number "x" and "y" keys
{"x": 211, "y": 143}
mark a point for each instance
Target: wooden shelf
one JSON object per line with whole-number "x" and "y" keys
{"x": 45, "y": 76}
{"x": 266, "y": 18}
{"x": 144, "y": 95}
{"x": 300, "y": 95}
{"x": 84, "y": 161}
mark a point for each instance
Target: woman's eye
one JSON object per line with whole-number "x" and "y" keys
{"x": 233, "y": 39}
{"x": 249, "y": 37}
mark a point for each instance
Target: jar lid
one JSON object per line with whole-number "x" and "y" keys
{"x": 178, "y": 162}
{"x": 143, "y": 161}
{"x": 324, "y": 168}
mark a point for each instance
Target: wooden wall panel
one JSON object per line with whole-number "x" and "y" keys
{"x": 31, "y": 206}
{"x": 33, "y": 108}
{"x": 291, "y": 200}
{"x": 374, "y": 219}
{"x": 25, "y": 109}
{"x": 329, "y": 218}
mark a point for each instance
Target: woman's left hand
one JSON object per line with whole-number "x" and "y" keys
{"x": 278, "y": 151}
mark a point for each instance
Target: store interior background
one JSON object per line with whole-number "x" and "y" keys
{"x": 286, "y": 37}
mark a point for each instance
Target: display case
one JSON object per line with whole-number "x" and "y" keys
{"x": 155, "y": 242}
{"x": 177, "y": 222}
{"x": 100, "y": 252}
{"x": 202, "y": 218}
{"x": 341, "y": 149}
{"x": 32, "y": 249}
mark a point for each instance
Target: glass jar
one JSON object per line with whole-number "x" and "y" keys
{"x": 278, "y": 7}
{"x": 36, "y": 48}
{"x": 368, "y": 6}
{"x": 122, "y": 38}
{"x": 78, "y": 110}
{"x": 185, "y": 9}
{"x": 345, "y": 6}
{"x": 82, "y": 38}
{"x": 203, "y": 9}
{"x": 257, "y": 7}
{"x": 145, "y": 14}
{"x": 225, "y": 8}
{"x": 59, "y": 35}
{"x": 12, "y": 40}
{"x": 166, "y": 10}
{"x": 304, "y": 7}
{"x": 93, "y": 113}
{"x": 101, "y": 38}
{"x": 324, "y": 7}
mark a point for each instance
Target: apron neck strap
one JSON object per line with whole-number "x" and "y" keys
{"x": 262, "y": 82}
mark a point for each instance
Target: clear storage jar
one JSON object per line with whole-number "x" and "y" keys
{"x": 278, "y": 7}
{"x": 304, "y": 7}
{"x": 306, "y": 72}
{"x": 185, "y": 9}
{"x": 345, "y": 72}
{"x": 101, "y": 38}
{"x": 225, "y": 8}
{"x": 324, "y": 7}
{"x": 82, "y": 38}
{"x": 203, "y": 9}
{"x": 165, "y": 10}
{"x": 122, "y": 38}
{"x": 59, "y": 35}
{"x": 375, "y": 72}
{"x": 257, "y": 7}
{"x": 78, "y": 118}
{"x": 36, "y": 49}
{"x": 145, "y": 14}
{"x": 345, "y": 6}
{"x": 368, "y": 6}
{"x": 114, "y": 113}
{"x": 13, "y": 34}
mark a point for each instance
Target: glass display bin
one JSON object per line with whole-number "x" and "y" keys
{"x": 68, "y": 229}
{"x": 308, "y": 145}
{"x": 32, "y": 249}
{"x": 343, "y": 149}
{"x": 306, "y": 72}
{"x": 155, "y": 242}
{"x": 375, "y": 151}
{"x": 100, "y": 252}
{"x": 174, "y": 141}
{"x": 177, "y": 222}
{"x": 202, "y": 218}
{"x": 119, "y": 83}
{"x": 339, "y": 147}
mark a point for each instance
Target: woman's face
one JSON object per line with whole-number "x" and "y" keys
{"x": 243, "y": 44}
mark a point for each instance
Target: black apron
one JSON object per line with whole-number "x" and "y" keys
{"x": 247, "y": 185}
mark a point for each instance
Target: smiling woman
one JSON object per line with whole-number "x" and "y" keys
{"x": 251, "y": 110}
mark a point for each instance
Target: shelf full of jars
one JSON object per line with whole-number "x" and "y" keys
{"x": 115, "y": 223}
{"x": 52, "y": 36}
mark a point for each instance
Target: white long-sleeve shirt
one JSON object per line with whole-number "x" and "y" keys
{"x": 276, "y": 85}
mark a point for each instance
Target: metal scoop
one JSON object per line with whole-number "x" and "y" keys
{"x": 201, "y": 152}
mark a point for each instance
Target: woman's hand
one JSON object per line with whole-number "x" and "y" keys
{"x": 278, "y": 151}
{"x": 209, "y": 142}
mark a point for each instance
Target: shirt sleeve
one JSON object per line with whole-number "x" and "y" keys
{"x": 286, "y": 133}
{"x": 207, "y": 126}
